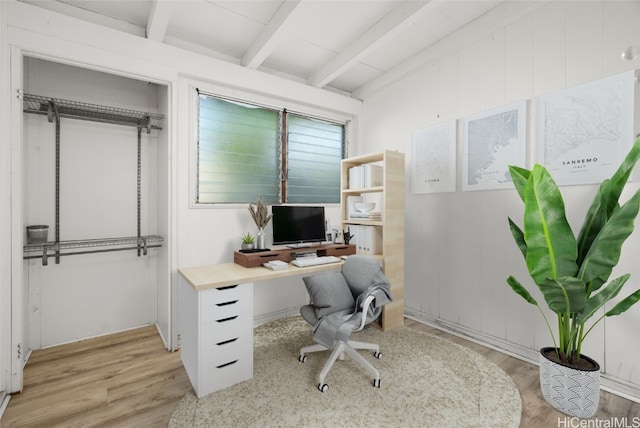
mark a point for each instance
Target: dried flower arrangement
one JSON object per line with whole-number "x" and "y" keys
{"x": 259, "y": 213}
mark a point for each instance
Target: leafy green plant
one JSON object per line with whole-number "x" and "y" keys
{"x": 572, "y": 273}
{"x": 248, "y": 239}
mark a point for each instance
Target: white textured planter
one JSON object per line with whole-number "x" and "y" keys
{"x": 570, "y": 391}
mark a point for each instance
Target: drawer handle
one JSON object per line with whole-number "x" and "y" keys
{"x": 228, "y": 287}
{"x": 227, "y": 319}
{"x": 224, "y": 342}
{"x": 231, "y": 302}
{"x": 269, "y": 255}
{"x": 226, "y": 364}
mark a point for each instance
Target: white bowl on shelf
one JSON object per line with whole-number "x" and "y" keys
{"x": 365, "y": 207}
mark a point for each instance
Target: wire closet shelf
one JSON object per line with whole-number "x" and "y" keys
{"x": 56, "y": 108}
{"x": 45, "y": 250}
{"x": 42, "y": 105}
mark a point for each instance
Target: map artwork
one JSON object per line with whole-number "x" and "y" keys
{"x": 494, "y": 140}
{"x": 585, "y": 131}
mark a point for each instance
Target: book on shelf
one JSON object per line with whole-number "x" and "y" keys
{"x": 366, "y": 175}
{"x": 367, "y": 239}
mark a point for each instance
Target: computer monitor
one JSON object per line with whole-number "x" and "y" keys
{"x": 297, "y": 226}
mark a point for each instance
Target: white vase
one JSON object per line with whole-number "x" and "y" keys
{"x": 261, "y": 240}
{"x": 570, "y": 391}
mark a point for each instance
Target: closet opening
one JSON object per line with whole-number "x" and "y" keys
{"x": 95, "y": 171}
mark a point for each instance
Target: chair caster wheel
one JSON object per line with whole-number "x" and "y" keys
{"x": 376, "y": 383}
{"x": 322, "y": 387}
{"x": 378, "y": 355}
{"x": 302, "y": 358}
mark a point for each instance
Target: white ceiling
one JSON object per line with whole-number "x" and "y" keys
{"x": 351, "y": 46}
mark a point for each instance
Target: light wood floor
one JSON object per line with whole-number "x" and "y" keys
{"x": 122, "y": 380}
{"x": 130, "y": 380}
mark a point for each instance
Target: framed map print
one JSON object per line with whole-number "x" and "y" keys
{"x": 433, "y": 160}
{"x": 493, "y": 140}
{"x": 584, "y": 132}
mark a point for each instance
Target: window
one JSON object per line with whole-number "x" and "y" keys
{"x": 247, "y": 150}
{"x": 314, "y": 151}
{"x": 238, "y": 152}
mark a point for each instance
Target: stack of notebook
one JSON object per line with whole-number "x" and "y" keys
{"x": 374, "y": 215}
{"x": 276, "y": 265}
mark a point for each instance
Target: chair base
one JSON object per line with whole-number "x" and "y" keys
{"x": 339, "y": 350}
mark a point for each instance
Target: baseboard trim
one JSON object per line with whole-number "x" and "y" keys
{"x": 607, "y": 383}
{"x": 497, "y": 344}
{"x": 5, "y": 402}
{"x": 272, "y": 316}
{"x": 164, "y": 340}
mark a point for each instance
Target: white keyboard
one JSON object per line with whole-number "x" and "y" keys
{"x": 313, "y": 261}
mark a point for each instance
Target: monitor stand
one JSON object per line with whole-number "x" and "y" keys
{"x": 300, "y": 245}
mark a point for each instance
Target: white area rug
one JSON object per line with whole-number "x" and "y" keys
{"x": 425, "y": 382}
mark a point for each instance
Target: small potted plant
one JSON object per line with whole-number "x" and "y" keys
{"x": 572, "y": 274}
{"x": 247, "y": 242}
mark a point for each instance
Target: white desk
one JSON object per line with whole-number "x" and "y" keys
{"x": 216, "y": 321}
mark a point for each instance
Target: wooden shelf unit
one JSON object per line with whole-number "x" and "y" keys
{"x": 391, "y": 224}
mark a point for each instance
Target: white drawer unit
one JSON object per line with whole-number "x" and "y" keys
{"x": 216, "y": 321}
{"x": 216, "y": 335}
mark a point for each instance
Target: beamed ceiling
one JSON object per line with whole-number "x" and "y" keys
{"x": 351, "y": 46}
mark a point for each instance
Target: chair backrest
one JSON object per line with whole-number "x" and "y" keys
{"x": 361, "y": 272}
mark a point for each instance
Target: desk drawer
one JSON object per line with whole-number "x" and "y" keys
{"x": 220, "y": 371}
{"x": 224, "y": 310}
{"x": 218, "y": 330}
{"x": 225, "y": 294}
{"x": 225, "y": 351}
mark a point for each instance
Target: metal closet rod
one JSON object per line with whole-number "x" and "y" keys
{"x": 38, "y": 104}
{"x": 142, "y": 244}
{"x": 45, "y": 255}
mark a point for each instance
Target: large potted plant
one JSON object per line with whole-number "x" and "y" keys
{"x": 573, "y": 275}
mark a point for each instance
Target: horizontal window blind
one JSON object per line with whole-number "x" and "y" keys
{"x": 315, "y": 149}
{"x": 238, "y": 152}
{"x": 242, "y": 153}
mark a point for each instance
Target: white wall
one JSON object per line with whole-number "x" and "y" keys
{"x": 195, "y": 236}
{"x": 459, "y": 250}
{"x": 5, "y": 228}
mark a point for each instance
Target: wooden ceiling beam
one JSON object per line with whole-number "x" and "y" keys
{"x": 158, "y": 19}
{"x": 269, "y": 38}
{"x": 370, "y": 40}
{"x": 500, "y": 17}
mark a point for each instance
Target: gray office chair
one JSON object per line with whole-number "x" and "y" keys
{"x": 342, "y": 303}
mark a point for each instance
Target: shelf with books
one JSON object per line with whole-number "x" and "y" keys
{"x": 378, "y": 178}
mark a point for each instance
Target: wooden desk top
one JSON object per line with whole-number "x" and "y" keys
{"x": 221, "y": 275}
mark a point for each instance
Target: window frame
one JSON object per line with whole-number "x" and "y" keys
{"x": 259, "y": 101}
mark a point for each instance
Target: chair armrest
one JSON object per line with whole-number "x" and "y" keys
{"x": 365, "y": 309}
